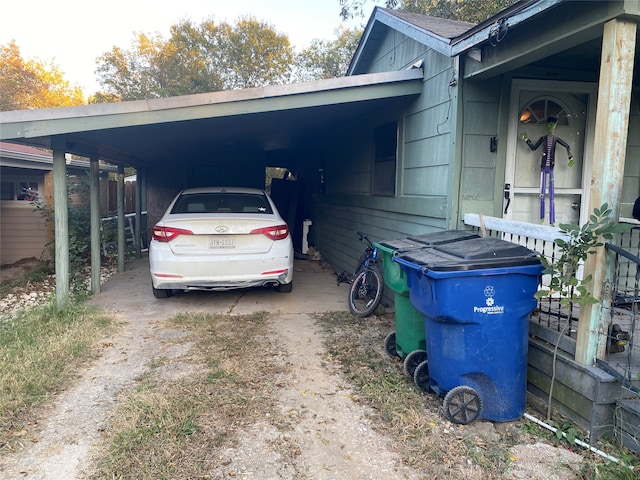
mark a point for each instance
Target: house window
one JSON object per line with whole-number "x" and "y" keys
{"x": 7, "y": 191}
{"x": 26, "y": 191}
{"x": 384, "y": 165}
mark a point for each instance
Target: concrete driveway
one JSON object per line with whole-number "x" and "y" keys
{"x": 314, "y": 290}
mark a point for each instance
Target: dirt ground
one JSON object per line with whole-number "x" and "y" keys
{"x": 334, "y": 434}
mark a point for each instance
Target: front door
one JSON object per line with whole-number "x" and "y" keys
{"x": 532, "y": 190}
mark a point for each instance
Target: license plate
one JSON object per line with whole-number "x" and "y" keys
{"x": 222, "y": 243}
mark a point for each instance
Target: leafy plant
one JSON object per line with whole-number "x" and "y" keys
{"x": 575, "y": 249}
{"x": 79, "y": 228}
{"x": 568, "y": 431}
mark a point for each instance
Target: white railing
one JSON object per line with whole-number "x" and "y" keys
{"x": 523, "y": 229}
{"x": 110, "y": 245}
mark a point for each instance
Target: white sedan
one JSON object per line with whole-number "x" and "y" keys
{"x": 219, "y": 239}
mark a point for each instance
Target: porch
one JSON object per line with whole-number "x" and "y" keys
{"x": 603, "y": 398}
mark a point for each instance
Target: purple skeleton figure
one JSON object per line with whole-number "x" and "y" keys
{"x": 547, "y": 163}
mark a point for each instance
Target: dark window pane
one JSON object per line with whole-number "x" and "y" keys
{"x": 384, "y": 166}
{"x": 7, "y": 191}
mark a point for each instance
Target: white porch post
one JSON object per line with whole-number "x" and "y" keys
{"x": 61, "y": 222}
{"x": 609, "y": 149}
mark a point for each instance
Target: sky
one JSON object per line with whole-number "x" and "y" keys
{"x": 73, "y": 33}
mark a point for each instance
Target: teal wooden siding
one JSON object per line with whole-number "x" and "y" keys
{"x": 425, "y": 165}
{"x": 480, "y": 121}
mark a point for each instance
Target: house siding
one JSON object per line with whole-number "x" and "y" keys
{"x": 23, "y": 233}
{"x": 481, "y": 115}
{"x": 426, "y": 153}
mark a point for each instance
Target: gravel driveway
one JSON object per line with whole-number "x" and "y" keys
{"x": 335, "y": 438}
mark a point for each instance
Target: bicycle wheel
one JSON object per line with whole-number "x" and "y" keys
{"x": 366, "y": 292}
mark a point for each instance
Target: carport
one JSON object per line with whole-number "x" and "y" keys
{"x": 173, "y": 143}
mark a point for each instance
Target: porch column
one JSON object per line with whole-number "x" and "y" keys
{"x": 61, "y": 222}
{"x": 94, "y": 202}
{"x": 609, "y": 149}
{"x": 121, "y": 234}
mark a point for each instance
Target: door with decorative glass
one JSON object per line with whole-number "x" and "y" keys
{"x": 532, "y": 187}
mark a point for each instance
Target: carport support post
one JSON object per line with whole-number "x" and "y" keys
{"x": 609, "y": 149}
{"x": 138, "y": 235}
{"x": 61, "y": 222}
{"x": 94, "y": 202}
{"x": 121, "y": 237}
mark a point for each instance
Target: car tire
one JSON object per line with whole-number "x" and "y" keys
{"x": 285, "y": 287}
{"x": 161, "y": 293}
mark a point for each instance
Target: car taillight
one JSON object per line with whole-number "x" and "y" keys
{"x": 166, "y": 234}
{"x": 277, "y": 232}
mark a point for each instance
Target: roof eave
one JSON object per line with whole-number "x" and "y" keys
{"x": 380, "y": 15}
{"x": 510, "y": 17}
{"x": 24, "y": 124}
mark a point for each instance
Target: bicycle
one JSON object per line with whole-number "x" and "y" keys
{"x": 367, "y": 286}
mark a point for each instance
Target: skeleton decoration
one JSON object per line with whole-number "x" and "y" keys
{"x": 547, "y": 164}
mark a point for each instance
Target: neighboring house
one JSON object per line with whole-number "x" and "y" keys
{"x": 23, "y": 231}
{"x": 424, "y": 129}
{"x": 25, "y": 178}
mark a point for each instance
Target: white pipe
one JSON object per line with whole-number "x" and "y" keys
{"x": 579, "y": 442}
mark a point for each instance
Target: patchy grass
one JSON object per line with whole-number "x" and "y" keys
{"x": 40, "y": 351}
{"x": 423, "y": 437}
{"x": 179, "y": 427}
{"x": 185, "y": 415}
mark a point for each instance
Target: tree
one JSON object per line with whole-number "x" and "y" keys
{"x": 474, "y": 11}
{"x": 197, "y": 58}
{"x": 132, "y": 74}
{"x": 326, "y": 58}
{"x": 32, "y": 83}
{"x": 257, "y": 55}
{"x": 102, "y": 97}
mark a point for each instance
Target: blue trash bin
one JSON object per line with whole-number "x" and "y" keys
{"x": 476, "y": 296}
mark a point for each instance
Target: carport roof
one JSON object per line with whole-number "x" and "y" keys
{"x": 140, "y": 133}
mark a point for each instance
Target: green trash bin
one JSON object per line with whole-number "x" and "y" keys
{"x": 408, "y": 340}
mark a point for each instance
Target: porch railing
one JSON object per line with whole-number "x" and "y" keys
{"x": 623, "y": 332}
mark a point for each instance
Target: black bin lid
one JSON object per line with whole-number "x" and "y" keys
{"x": 431, "y": 258}
{"x": 441, "y": 238}
{"x": 401, "y": 245}
{"x": 473, "y": 254}
{"x": 427, "y": 240}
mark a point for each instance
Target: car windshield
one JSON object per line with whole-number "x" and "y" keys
{"x": 221, "y": 202}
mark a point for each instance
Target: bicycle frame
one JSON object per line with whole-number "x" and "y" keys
{"x": 367, "y": 284}
{"x": 370, "y": 256}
